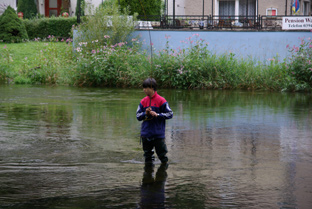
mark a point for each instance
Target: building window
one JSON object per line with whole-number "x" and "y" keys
{"x": 226, "y": 9}
{"x": 247, "y": 7}
{"x": 306, "y": 8}
{"x": 271, "y": 12}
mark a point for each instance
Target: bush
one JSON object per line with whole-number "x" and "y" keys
{"x": 142, "y": 7}
{"x": 114, "y": 65}
{"x": 12, "y": 28}
{"x": 28, "y": 7}
{"x": 106, "y": 21}
{"x": 56, "y": 26}
{"x": 300, "y": 67}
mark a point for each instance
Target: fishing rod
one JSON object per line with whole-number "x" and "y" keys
{"x": 150, "y": 37}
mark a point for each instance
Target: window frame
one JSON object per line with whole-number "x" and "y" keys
{"x": 271, "y": 9}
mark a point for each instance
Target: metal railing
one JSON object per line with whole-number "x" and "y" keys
{"x": 210, "y": 22}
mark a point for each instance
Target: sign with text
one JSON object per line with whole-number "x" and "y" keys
{"x": 297, "y": 23}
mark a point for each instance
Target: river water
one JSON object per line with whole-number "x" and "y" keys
{"x": 64, "y": 147}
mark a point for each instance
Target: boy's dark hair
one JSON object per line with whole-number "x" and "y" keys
{"x": 150, "y": 83}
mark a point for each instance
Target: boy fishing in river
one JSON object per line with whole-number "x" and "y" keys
{"x": 153, "y": 110}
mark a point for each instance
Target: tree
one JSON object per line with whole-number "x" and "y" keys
{"x": 142, "y": 7}
{"x": 28, "y": 7}
{"x": 12, "y": 29}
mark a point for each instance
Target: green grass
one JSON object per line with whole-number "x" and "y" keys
{"x": 26, "y": 52}
{"x": 37, "y": 62}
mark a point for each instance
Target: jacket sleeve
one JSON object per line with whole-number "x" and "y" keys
{"x": 166, "y": 112}
{"x": 140, "y": 113}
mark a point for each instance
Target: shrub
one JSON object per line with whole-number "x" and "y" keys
{"x": 56, "y": 26}
{"x": 28, "y": 7}
{"x": 12, "y": 28}
{"x": 106, "y": 21}
{"x": 142, "y": 7}
{"x": 300, "y": 67}
{"x": 113, "y": 65}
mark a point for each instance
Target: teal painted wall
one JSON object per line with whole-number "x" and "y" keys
{"x": 260, "y": 46}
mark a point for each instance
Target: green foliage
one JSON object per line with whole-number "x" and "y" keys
{"x": 192, "y": 68}
{"x": 3, "y": 72}
{"x": 142, "y": 7}
{"x": 106, "y": 21}
{"x": 56, "y": 26}
{"x": 28, "y": 7}
{"x": 12, "y": 28}
{"x": 111, "y": 65}
{"x": 124, "y": 64}
{"x": 300, "y": 67}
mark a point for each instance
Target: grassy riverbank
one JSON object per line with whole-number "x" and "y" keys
{"x": 33, "y": 62}
{"x": 125, "y": 65}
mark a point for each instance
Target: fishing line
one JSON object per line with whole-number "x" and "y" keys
{"x": 150, "y": 38}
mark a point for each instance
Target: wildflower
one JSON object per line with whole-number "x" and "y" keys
{"x": 310, "y": 46}
{"x": 181, "y": 69}
{"x": 106, "y": 36}
{"x": 93, "y": 51}
{"x": 152, "y": 44}
{"x": 49, "y": 36}
{"x": 5, "y": 47}
{"x": 78, "y": 49}
{"x": 134, "y": 39}
{"x": 296, "y": 49}
{"x": 287, "y": 46}
{"x": 62, "y": 40}
{"x": 26, "y": 58}
{"x": 167, "y": 37}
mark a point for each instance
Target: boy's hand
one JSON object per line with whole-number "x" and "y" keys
{"x": 153, "y": 113}
{"x": 148, "y": 111}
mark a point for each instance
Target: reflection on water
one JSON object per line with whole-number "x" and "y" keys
{"x": 153, "y": 187}
{"x": 63, "y": 147}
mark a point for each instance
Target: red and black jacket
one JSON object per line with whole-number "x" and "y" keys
{"x": 154, "y": 127}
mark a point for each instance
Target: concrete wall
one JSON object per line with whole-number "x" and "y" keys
{"x": 260, "y": 46}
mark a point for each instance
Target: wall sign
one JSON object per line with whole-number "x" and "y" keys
{"x": 297, "y": 23}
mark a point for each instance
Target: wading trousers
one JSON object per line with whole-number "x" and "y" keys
{"x": 160, "y": 147}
